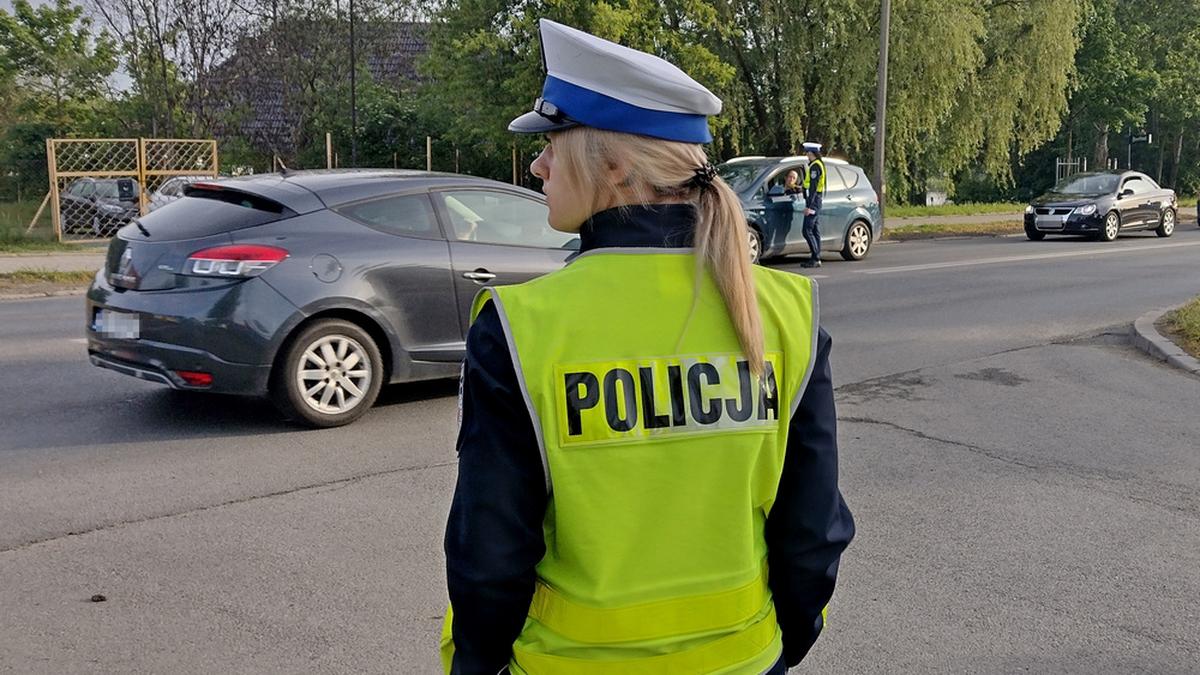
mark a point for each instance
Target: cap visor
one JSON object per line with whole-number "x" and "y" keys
{"x": 536, "y": 123}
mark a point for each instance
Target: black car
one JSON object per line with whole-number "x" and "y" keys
{"x": 1102, "y": 204}
{"x": 314, "y": 289}
{"x": 99, "y": 206}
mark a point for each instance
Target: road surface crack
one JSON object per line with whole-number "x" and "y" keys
{"x": 338, "y": 483}
{"x": 1177, "y": 498}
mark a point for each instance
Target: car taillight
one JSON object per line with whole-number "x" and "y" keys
{"x": 195, "y": 379}
{"x": 238, "y": 260}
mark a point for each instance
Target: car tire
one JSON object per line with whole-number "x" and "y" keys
{"x": 857, "y": 243}
{"x": 1166, "y": 223}
{"x": 1111, "y": 228}
{"x": 754, "y": 240}
{"x": 1034, "y": 234}
{"x": 329, "y": 374}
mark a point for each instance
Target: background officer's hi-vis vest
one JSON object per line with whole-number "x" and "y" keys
{"x": 663, "y": 457}
{"x": 808, "y": 175}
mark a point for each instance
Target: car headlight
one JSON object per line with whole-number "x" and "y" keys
{"x": 1029, "y": 209}
{"x": 1087, "y": 210}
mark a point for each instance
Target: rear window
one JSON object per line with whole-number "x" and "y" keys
{"x": 203, "y": 213}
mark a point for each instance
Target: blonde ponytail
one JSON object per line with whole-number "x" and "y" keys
{"x": 722, "y": 244}
{"x": 660, "y": 171}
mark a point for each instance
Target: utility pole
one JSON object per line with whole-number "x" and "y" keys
{"x": 353, "y": 92}
{"x": 885, "y": 19}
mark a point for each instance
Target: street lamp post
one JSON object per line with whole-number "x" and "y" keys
{"x": 885, "y": 19}
{"x": 353, "y": 92}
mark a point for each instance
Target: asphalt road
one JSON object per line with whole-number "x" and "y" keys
{"x": 1027, "y": 488}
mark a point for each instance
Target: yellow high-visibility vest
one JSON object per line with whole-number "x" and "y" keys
{"x": 663, "y": 455}
{"x": 808, "y": 175}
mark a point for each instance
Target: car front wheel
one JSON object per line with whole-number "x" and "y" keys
{"x": 858, "y": 241}
{"x": 1034, "y": 234}
{"x": 755, "y": 242}
{"x": 1112, "y": 227}
{"x": 1166, "y": 223}
{"x": 329, "y": 375}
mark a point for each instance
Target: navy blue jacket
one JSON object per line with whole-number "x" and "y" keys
{"x": 494, "y": 535}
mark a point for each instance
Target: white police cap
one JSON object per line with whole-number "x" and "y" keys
{"x": 812, "y": 147}
{"x": 596, "y": 83}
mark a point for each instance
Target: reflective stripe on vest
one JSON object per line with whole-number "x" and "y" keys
{"x": 648, "y": 621}
{"x": 710, "y": 657}
{"x": 643, "y": 402}
{"x": 821, "y": 180}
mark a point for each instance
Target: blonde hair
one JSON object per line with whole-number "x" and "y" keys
{"x": 659, "y": 171}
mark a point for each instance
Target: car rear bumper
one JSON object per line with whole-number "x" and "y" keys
{"x": 162, "y": 364}
{"x": 229, "y": 332}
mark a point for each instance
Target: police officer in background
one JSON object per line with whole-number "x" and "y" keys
{"x": 814, "y": 194}
{"x": 647, "y": 431}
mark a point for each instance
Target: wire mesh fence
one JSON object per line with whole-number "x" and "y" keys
{"x": 99, "y": 185}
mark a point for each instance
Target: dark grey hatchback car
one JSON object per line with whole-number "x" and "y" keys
{"x": 314, "y": 288}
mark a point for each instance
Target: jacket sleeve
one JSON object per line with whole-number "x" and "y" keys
{"x": 809, "y": 524}
{"x": 494, "y": 534}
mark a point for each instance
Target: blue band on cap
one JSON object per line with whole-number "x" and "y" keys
{"x": 594, "y": 109}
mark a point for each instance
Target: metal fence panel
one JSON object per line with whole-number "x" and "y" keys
{"x": 99, "y": 185}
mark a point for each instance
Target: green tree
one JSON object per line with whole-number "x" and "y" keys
{"x": 972, "y": 82}
{"x": 61, "y": 67}
{"x": 1115, "y": 80}
{"x": 484, "y": 65}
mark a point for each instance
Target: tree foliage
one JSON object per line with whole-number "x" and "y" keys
{"x": 52, "y": 54}
{"x": 984, "y": 93}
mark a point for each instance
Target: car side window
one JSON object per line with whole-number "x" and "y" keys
{"x": 834, "y": 181}
{"x": 849, "y": 176}
{"x": 492, "y": 217}
{"x": 779, "y": 178}
{"x": 1138, "y": 186}
{"x": 405, "y": 215}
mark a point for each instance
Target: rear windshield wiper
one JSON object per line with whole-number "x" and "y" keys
{"x": 140, "y": 226}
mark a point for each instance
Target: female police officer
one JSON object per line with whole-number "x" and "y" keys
{"x": 646, "y": 431}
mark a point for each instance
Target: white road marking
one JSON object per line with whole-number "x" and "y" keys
{"x": 1022, "y": 258}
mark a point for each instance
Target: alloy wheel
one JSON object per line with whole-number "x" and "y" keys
{"x": 860, "y": 240}
{"x": 334, "y": 374}
{"x": 755, "y": 244}
{"x": 1168, "y": 223}
{"x": 1112, "y": 226}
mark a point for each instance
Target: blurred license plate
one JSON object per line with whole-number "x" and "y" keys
{"x": 117, "y": 324}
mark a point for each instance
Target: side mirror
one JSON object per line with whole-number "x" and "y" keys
{"x": 1127, "y": 192}
{"x": 775, "y": 191}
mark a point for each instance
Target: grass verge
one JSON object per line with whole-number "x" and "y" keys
{"x": 911, "y": 232}
{"x": 16, "y": 237}
{"x": 47, "y": 282}
{"x": 970, "y": 209}
{"x": 1183, "y": 326}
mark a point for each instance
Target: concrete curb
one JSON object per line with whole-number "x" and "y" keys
{"x": 35, "y": 296}
{"x": 1147, "y": 338}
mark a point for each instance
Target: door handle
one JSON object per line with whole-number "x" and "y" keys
{"x": 479, "y": 276}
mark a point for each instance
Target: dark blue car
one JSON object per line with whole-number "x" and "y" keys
{"x": 314, "y": 289}
{"x": 849, "y": 220}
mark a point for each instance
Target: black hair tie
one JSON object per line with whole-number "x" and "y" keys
{"x": 703, "y": 178}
